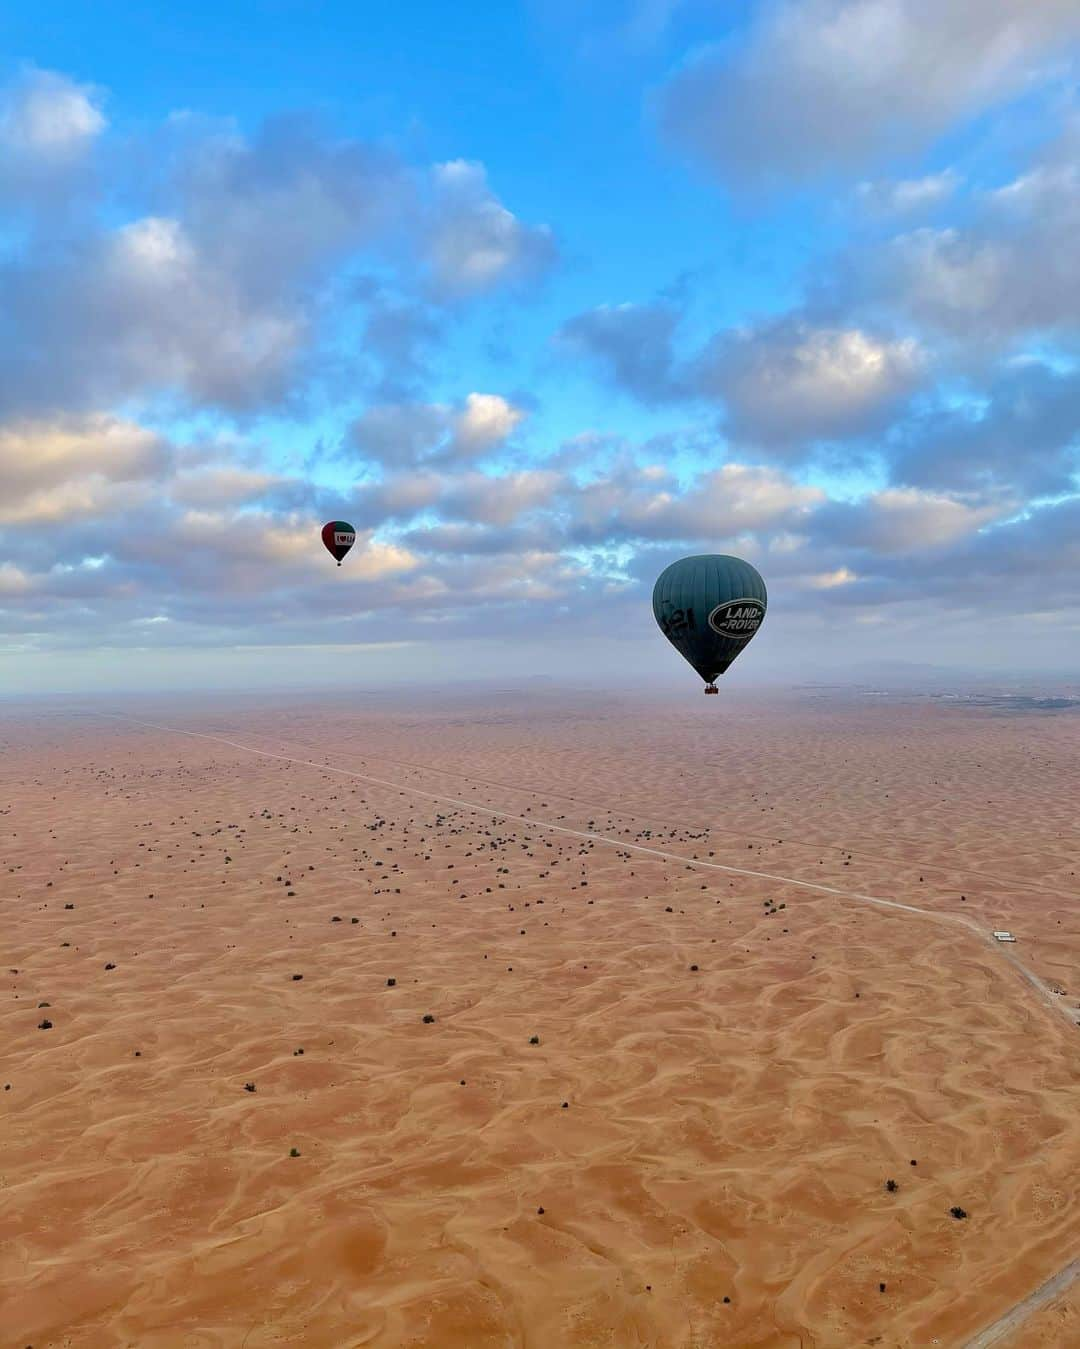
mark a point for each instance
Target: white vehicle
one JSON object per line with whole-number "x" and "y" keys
{"x": 1004, "y": 936}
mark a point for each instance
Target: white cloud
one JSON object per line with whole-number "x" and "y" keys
{"x": 48, "y": 115}
{"x": 13, "y": 580}
{"x": 487, "y": 420}
{"x": 829, "y": 580}
{"x": 819, "y": 85}
{"x": 1014, "y": 266}
{"x": 475, "y": 243}
{"x": 500, "y": 500}
{"x": 75, "y": 466}
{"x": 787, "y": 382}
{"x": 397, "y": 434}
{"x": 906, "y": 196}
{"x": 155, "y": 249}
{"x": 906, "y": 522}
{"x": 717, "y": 506}
{"x": 213, "y": 486}
{"x": 236, "y": 258}
{"x": 379, "y": 560}
{"x": 909, "y": 520}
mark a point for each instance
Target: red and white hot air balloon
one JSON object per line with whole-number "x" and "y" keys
{"x": 338, "y": 536}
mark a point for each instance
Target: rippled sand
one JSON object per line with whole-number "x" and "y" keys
{"x": 688, "y": 1157}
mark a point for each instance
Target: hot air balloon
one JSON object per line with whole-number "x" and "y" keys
{"x": 708, "y": 607}
{"x": 338, "y": 536}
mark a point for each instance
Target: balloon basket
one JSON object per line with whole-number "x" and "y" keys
{"x": 711, "y": 688}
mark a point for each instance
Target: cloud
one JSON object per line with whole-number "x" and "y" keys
{"x": 48, "y": 127}
{"x": 51, "y": 470}
{"x": 718, "y": 505}
{"x": 219, "y": 272}
{"x": 211, "y": 553}
{"x": 399, "y": 434}
{"x": 376, "y": 561}
{"x": 204, "y": 278}
{"x": 631, "y": 343}
{"x": 817, "y": 86}
{"x": 474, "y": 243}
{"x": 272, "y": 213}
{"x": 648, "y": 21}
{"x": 907, "y": 196}
{"x": 1004, "y": 270}
{"x": 139, "y": 310}
{"x": 902, "y": 521}
{"x": 1015, "y": 269}
{"x": 13, "y": 580}
{"x": 785, "y": 382}
{"x": 46, "y": 115}
{"x": 788, "y": 383}
{"x": 1018, "y": 434}
{"x": 1016, "y": 569}
{"x": 467, "y": 540}
{"x": 486, "y": 420}
{"x": 230, "y": 484}
{"x": 499, "y": 500}
{"x": 398, "y": 338}
{"x": 828, "y": 580}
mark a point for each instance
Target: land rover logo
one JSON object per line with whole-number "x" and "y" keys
{"x": 738, "y": 619}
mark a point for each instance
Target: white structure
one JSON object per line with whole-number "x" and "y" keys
{"x": 1004, "y": 936}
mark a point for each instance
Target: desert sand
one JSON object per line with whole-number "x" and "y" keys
{"x": 543, "y": 1089}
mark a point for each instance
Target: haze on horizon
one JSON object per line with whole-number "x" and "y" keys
{"x": 540, "y": 303}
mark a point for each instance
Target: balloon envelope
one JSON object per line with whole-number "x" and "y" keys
{"x": 709, "y": 607}
{"x": 338, "y": 536}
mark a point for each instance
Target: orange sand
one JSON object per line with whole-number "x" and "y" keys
{"x": 728, "y": 1131}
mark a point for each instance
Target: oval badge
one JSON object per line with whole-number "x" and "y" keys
{"x": 737, "y": 619}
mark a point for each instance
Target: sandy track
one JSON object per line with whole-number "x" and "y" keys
{"x": 1005, "y": 1327}
{"x": 1032, "y": 979}
{"x": 998, "y": 878}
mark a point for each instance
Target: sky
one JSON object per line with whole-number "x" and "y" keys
{"x": 540, "y": 297}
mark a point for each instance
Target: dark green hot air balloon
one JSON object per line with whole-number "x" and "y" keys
{"x": 708, "y": 608}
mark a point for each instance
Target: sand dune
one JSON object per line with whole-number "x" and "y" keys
{"x": 728, "y": 1069}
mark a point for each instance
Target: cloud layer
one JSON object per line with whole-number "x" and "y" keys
{"x": 823, "y": 86}
{"x": 215, "y": 339}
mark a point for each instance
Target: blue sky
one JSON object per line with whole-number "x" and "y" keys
{"x": 540, "y": 303}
